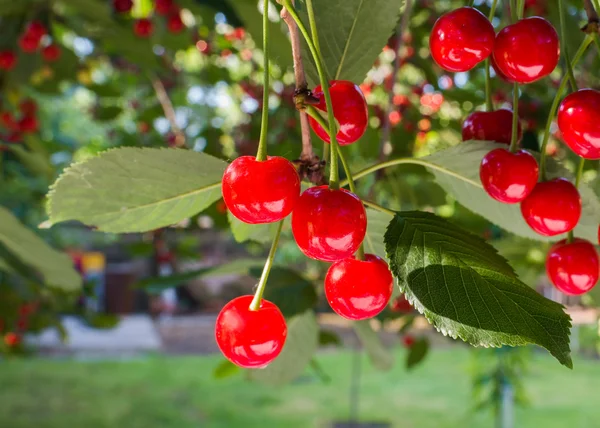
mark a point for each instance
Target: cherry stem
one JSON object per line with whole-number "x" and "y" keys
{"x": 520, "y": 8}
{"x": 316, "y": 115}
{"x": 577, "y": 181}
{"x": 514, "y": 141}
{"x": 378, "y": 207}
{"x": 360, "y": 254}
{"x": 493, "y": 10}
{"x": 410, "y": 161}
{"x": 489, "y": 104}
{"x": 582, "y": 48}
{"x": 261, "y": 154}
{"x": 563, "y": 42}
{"x": 169, "y": 111}
{"x": 513, "y": 11}
{"x": 334, "y": 178}
{"x": 255, "y": 304}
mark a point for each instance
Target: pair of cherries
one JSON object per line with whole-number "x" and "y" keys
{"x": 573, "y": 267}
{"x": 550, "y": 208}
{"x": 522, "y": 52}
{"x": 327, "y": 224}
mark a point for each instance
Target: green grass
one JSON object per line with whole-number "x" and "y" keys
{"x": 179, "y": 392}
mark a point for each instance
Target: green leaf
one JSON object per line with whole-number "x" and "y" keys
{"x": 160, "y": 283}
{"x": 243, "y": 232}
{"x": 457, "y": 171}
{"x": 417, "y": 352}
{"x": 377, "y": 223}
{"x": 466, "y": 290}
{"x": 225, "y": 369}
{"x": 136, "y": 190}
{"x": 290, "y": 291}
{"x": 380, "y": 356}
{"x": 5, "y": 267}
{"x": 352, "y": 34}
{"x": 55, "y": 267}
{"x": 300, "y": 346}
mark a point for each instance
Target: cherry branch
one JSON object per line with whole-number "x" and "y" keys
{"x": 167, "y": 106}
{"x": 387, "y": 126}
{"x": 301, "y": 85}
{"x": 590, "y": 11}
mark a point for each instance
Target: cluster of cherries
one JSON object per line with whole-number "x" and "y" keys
{"x": 144, "y": 27}
{"x": 33, "y": 38}
{"x": 524, "y": 52}
{"x": 15, "y": 127}
{"x": 328, "y": 224}
{"x": 13, "y": 337}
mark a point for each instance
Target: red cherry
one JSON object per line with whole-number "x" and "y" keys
{"x": 28, "y": 107}
{"x": 250, "y": 339}
{"x": 36, "y": 29}
{"x": 461, "y": 39}
{"x": 8, "y": 121}
{"x": 489, "y": 126}
{"x": 143, "y": 127}
{"x": 12, "y": 339}
{"x": 123, "y": 6}
{"x": 349, "y": 109}
{"x": 553, "y": 207}
{"x": 500, "y": 74}
{"x": 408, "y": 341}
{"x": 573, "y": 267}
{"x": 13, "y": 137}
{"x": 359, "y": 289}
{"x": 174, "y": 23}
{"x": 329, "y": 225}
{"x": 579, "y": 122}
{"x": 163, "y": 7}
{"x": 508, "y": 177}
{"x": 28, "y": 124}
{"x": 261, "y": 192}
{"x": 527, "y": 50}
{"x": 28, "y": 43}
{"x": 401, "y": 304}
{"x": 8, "y": 60}
{"x": 143, "y": 28}
{"x": 51, "y": 53}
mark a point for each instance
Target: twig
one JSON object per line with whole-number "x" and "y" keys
{"x": 590, "y": 11}
{"x": 167, "y": 106}
{"x": 387, "y": 126}
{"x": 301, "y": 85}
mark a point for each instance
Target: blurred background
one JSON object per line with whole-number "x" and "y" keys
{"x": 134, "y": 345}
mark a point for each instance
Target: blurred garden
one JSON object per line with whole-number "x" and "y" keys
{"x": 299, "y": 213}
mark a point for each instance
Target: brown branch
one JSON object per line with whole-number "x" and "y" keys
{"x": 310, "y": 166}
{"x": 301, "y": 85}
{"x": 387, "y": 126}
{"x": 167, "y": 106}
{"x": 593, "y": 24}
{"x": 590, "y": 11}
